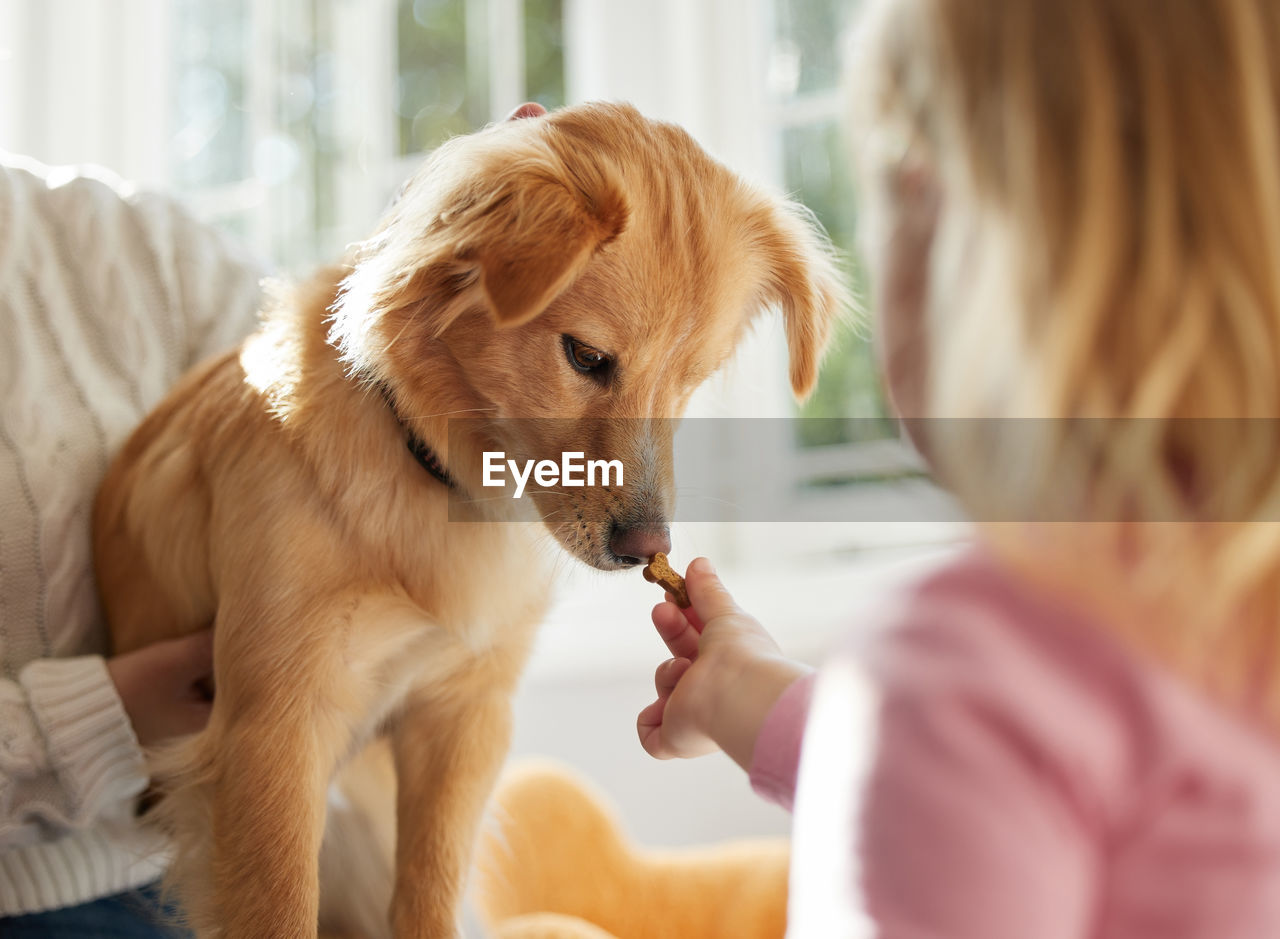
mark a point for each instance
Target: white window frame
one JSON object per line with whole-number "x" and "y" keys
{"x": 365, "y": 55}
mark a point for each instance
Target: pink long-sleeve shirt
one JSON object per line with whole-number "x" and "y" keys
{"x": 1025, "y": 777}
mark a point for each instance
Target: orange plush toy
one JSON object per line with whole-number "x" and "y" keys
{"x": 553, "y": 863}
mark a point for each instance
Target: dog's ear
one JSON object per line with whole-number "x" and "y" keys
{"x": 500, "y": 228}
{"x": 533, "y": 236}
{"x": 803, "y": 280}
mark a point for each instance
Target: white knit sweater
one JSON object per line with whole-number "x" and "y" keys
{"x": 106, "y": 297}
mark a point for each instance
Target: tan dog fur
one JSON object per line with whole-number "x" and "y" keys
{"x": 272, "y": 494}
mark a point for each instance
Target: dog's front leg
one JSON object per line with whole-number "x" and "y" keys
{"x": 268, "y": 818}
{"x": 449, "y": 748}
{"x": 281, "y": 722}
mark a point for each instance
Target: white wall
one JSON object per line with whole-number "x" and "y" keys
{"x": 699, "y": 64}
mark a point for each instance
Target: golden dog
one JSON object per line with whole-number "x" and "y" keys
{"x": 298, "y": 493}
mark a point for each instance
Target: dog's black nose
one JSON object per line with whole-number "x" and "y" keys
{"x": 637, "y": 545}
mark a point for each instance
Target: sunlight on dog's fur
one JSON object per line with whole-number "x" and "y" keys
{"x": 274, "y": 495}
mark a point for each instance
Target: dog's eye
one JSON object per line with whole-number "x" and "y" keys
{"x": 587, "y": 359}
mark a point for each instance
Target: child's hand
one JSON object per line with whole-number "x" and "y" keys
{"x": 724, "y": 677}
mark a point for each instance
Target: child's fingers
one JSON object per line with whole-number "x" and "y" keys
{"x": 688, "y": 612}
{"x": 668, "y": 674}
{"x": 649, "y": 728}
{"x": 649, "y": 720}
{"x": 709, "y": 596}
{"x": 676, "y": 631}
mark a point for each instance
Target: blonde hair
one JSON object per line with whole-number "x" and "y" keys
{"x": 1104, "y": 282}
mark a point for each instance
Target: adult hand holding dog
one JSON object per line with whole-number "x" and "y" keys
{"x": 162, "y": 686}
{"x": 725, "y": 675}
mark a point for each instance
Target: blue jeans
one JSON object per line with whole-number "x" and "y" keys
{"x": 138, "y": 914}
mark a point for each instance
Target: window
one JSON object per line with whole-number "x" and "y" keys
{"x": 295, "y": 122}
{"x": 804, "y": 69}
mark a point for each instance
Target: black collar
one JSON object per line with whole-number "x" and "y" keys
{"x": 425, "y": 456}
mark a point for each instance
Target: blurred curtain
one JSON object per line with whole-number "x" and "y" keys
{"x": 87, "y": 81}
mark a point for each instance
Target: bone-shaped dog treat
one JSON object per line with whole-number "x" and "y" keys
{"x": 658, "y": 571}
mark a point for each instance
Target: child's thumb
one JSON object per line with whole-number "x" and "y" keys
{"x": 707, "y": 594}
